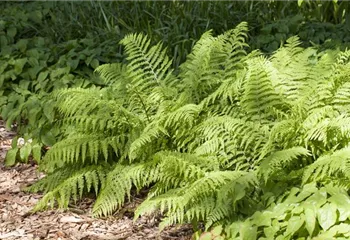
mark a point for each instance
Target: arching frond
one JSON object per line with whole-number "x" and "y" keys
{"x": 279, "y": 160}
{"x": 69, "y": 182}
{"x": 148, "y": 66}
{"x": 328, "y": 165}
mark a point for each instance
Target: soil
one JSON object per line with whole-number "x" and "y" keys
{"x": 76, "y": 223}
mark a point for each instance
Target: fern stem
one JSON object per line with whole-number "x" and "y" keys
{"x": 144, "y": 107}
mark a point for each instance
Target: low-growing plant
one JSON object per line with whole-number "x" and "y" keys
{"x": 233, "y": 139}
{"x": 30, "y": 69}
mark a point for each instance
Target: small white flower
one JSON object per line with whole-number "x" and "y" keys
{"x": 20, "y": 142}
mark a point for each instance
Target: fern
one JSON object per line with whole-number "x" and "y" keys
{"x": 279, "y": 160}
{"x": 233, "y": 138}
{"x": 69, "y": 182}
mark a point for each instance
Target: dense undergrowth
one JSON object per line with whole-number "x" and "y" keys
{"x": 250, "y": 144}
{"x": 50, "y": 45}
{"x": 257, "y": 145}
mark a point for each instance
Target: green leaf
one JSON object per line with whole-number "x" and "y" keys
{"x": 73, "y": 63}
{"x": 206, "y": 236}
{"x": 94, "y": 63}
{"x": 48, "y": 138}
{"x": 262, "y": 218}
{"x": 294, "y": 224}
{"x": 33, "y": 53}
{"x": 11, "y": 32}
{"x": 248, "y": 232}
{"x": 10, "y": 159}
{"x": 42, "y": 76}
{"x": 270, "y": 232}
{"x": 310, "y": 218}
{"x": 335, "y": 231}
{"x": 48, "y": 109}
{"x": 219, "y": 238}
{"x": 317, "y": 199}
{"x": 327, "y": 216}
{"x": 3, "y": 66}
{"x": 300, "y": 2}
{"x": 342, "y": 202}
{"x": 14, "y": 142}
{"x": 33, "y": 72}
{"x": 22, "y": 45}
{"x": 25, "y": 151}
{"x": 36, "y": 151}
{"x": 19, "y": 64}
{"x": 217, "y": 231}
{"x": 3, "y": 42}
{"x": 35, "y": 16}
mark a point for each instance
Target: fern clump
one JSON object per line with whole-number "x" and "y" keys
{"x": 221, "y": 141}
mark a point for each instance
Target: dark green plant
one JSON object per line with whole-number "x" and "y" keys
{"x": 31, "y": 67}
{"x": 325, "y": 11}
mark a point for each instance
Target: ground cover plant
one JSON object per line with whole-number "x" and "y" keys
{"x": 33, "y": 66}
{"x": 50, "y": 45}
{"x": 252, "y": 147}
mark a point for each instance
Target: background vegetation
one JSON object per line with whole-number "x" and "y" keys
{"x": 267, "y": 153}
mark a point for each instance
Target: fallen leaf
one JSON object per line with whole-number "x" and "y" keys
{"x": 71, "y": 219}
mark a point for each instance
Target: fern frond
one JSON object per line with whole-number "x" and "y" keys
{"x": 230, "y": 50}
{"x": 231, "y": 135}
{"x": 328, "y": 165}
{"x": 196, "y": 67}
{"x": 152, "y": 132}
{"x": 148, "y": 66}
{"x": 180, "y": 169}
{"x": 184, "y": 115}
{"x": 118, "y": 185}
{"x": 176, "y": 201}
{"x": 259, "y": 96}
{"x": 341, "y": 98}
{"x": 77, "y": 101}
{"x": 279, "y": 160}
{"x": 114, "y": 73}
{"x": 72, "y": 183}
{"x": 82, "y": 147}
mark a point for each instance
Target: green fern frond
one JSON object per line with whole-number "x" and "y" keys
{"x": 328, "y": 165}
{"x": 279, "y": 160}
{"x": 72, "y": 183}
{"x": 233, "y": 135}
{"x": 259, "y": 96}
{"x": 113, "y": 73}
{"x": 148, "y": 66}
{"x": 151, "y": 133}
{"x": 118, "y": 185}
{"x": 231, "y": 49}
{"x": 185, "y": 115}
{"x": 82, "y": 148}
{"x": 341, "y": 98}
{"x": 194, "y": 70}
{"x": 176, "y": 201}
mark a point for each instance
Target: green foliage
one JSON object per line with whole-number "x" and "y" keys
{"x": 214, "y": 234}
{"x": 47, "y": 46}
{"x": 325, "y": 11}
{"x": 257, "y": 145}
{"x": 299, "y": 214}
{"x": 312, "y": 33}
{"x": 32, "y": 68}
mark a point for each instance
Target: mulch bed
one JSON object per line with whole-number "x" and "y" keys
{"x": 76, "y": 223}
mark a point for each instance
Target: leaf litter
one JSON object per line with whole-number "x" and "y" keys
{"x": 76, "y": 223}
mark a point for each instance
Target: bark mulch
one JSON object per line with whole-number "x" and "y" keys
{"x": 76, "y": 223}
